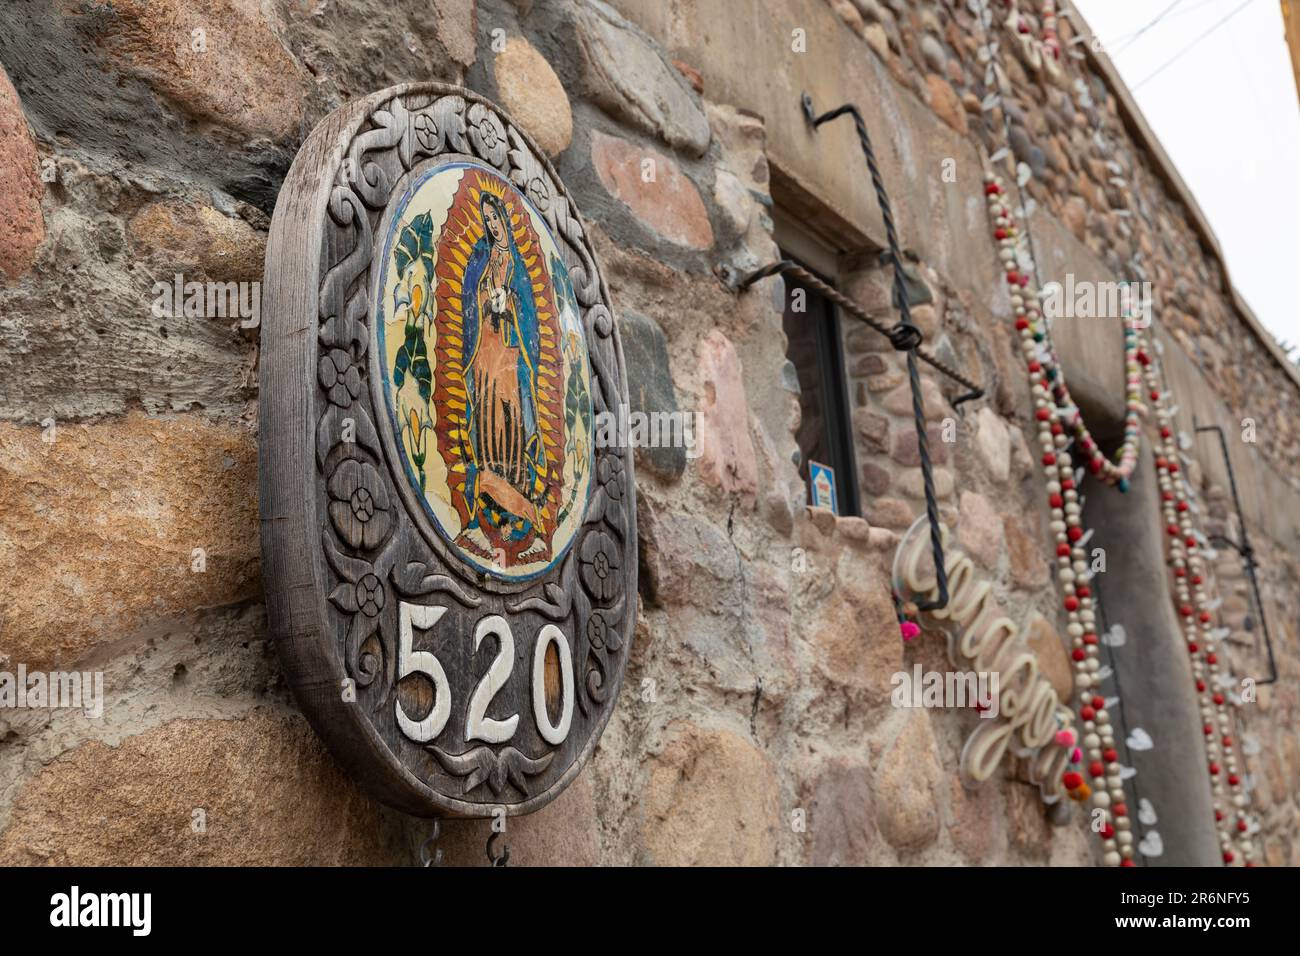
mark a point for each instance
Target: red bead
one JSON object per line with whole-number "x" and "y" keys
{"x": 1083, "y": 591}
{"x": 1241, "y": 826}
{"x": 1043, "y": 414}
{"x": 1127, "y": 862}
{"x": 1072, "y": 780}
{"x": 1013, "y": 277}
{"x": 1193, "y": 647}
{"x": 1190, "y": 542}
{"x": 1185, "y": 610}
{"x": 1196, "y": 579}
{"x": 1172, "y": 529}
{"x": 1090, "y": 638}
{"x": 1087, "y": 713}
{"x": 1078, "y": 654}
{"x": 1218, "y": 699}
{"x": 1233, "y": 780}
{"x": 1218, "y": 815}
{"x": 1074, "y": 534}
{"x": 1173, "y": 467}
{"x": 1200, "y": 687}
{"x": 1096, "y": 769}
{"x": 1056, "y": 501}
{"x": 1120, "y": 810}
{"x": 1035, "y": 366}
{"x": 1107, "y": 832}
{"x": 1110, "y": 755}
{"x": 999, "y": 233}
{"x": 1062, "y": 550}
{"x": 1211, "y": 658}
{"x": 992, "y": 189}
{"x": 1180, "y": 573}
{"x": 1143, "y": 357}
{"x": 1022, "y": 324}
{"x": 1155, "y": 396}
{"x": 1208, "y": 730}
{"x": 1165, "y": 433}
{"x": 1214, "y": 770}
{"x": 1227, "y": 742}
{"x": 1049, "y": 459}
{"x": 1071, "y": 603}
{"x": 1228, "y": 857}
{"x": 1205, "y": 617}
{"x": 1181, "y": 506}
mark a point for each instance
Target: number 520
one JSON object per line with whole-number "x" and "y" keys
{"x": 479, "y": 726}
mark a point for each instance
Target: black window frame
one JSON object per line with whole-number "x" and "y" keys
{"x": 837, "y": 433}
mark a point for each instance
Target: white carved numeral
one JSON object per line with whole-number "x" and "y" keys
{"x": 478, "y": 726}
{"x": 421, "y": 662}
{"x": 552, "y": 734}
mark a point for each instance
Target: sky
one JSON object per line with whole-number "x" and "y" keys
{"x": 1228, "y": 115}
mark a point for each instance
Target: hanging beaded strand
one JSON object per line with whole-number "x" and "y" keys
{"x": 1187, "y": 566}
{"x": 1106, "y": 792}
{"x": 1043, "y": 358}
{"x": 1052, "y": 402}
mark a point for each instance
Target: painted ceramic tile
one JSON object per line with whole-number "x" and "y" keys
{"x": 485, "y": 370}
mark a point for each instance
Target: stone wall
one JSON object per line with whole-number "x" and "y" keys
{"x": 757, "y": 694}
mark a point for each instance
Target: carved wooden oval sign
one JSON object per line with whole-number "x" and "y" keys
{"x": 449, "y": 558}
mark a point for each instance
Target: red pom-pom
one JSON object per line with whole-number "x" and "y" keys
{"x": 1072, "y": 780}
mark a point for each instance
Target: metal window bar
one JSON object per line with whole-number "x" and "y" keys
{"x": 1243, "y": 548}
{"x": 904, "y": 335}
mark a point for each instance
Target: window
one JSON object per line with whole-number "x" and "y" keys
{"x": 815, "y": 349}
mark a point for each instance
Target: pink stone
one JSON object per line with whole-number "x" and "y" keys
{"x": 654, "y": 188}
{"x": 22, "y": 228}
{"x": 727, "y": 454}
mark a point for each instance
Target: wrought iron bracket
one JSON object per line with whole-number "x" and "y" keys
{"x": 903, "y": 335}
{"x": 1244, "y": 548}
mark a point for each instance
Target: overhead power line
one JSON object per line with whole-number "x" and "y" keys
{"x": 1177, "y": 56}
{"x": 1160, "y": 16}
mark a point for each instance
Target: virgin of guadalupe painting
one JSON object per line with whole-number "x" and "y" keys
{"x": 485, "y": 369}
